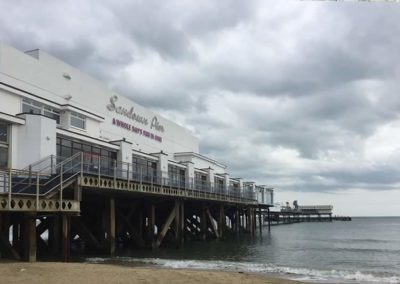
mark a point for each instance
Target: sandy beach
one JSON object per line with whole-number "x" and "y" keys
{"x": 53, "y": 272}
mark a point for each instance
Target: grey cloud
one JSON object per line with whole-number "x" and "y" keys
{"x": 292, "y": 80}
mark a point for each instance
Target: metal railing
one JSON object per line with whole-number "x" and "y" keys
{"x": 52, "y": 173}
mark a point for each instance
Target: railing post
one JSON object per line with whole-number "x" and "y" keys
{"x": 81, "y": 166}
{"x": 115, "y": 172}
{"x": 51, "y": 164}
{"x": 128, "y": 174}
{"x": 141, "y": 178}
{"x": 99, "y": 172}
{"x": 151, "y": 176}
{"x": 9, "y": 188}
{"x": 37, "y": 191}
{"x": 30, "y": 174}
{"x": 61, "y": 184}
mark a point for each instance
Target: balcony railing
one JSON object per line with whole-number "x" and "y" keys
{"x": 53, "y": 173}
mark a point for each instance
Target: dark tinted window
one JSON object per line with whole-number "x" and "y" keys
{"x": 3, "y": 156}
{"x": 3, "y": 133}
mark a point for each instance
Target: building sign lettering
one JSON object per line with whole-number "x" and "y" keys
{"x": 131, "y": 114}
{"x": 136, "y": 130}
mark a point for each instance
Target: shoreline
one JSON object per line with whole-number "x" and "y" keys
{"x": 66, "y": 273}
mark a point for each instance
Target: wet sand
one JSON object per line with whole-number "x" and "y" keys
{"x": 70, "y": 273}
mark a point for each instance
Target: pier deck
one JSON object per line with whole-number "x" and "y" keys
{"x": 45, "y": 213}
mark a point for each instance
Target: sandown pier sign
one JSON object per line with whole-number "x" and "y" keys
{"x": 132, "y": 115}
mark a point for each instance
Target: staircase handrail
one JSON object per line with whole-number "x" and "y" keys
{"x": 30, "y": 166}
{"x": 70, "y": 159}
{"x": 32, "y": 173}
{"x": 39, "y": 174}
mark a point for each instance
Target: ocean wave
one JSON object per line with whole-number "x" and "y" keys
{"x": 299, "y": 274}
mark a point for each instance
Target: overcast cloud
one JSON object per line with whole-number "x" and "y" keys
{"x": 302, "y": 96}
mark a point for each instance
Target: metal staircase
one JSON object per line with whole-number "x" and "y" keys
{"x": 39, "y": 187}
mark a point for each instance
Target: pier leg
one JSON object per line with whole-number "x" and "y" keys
{"x": 54, "y": 234}
{"x": 110, "y": 226}
{"x": 5, "y": 225}
{"x": 66, "y": 236}
{"x": 165, "y": 227}
{"x": 151, "y": 225}
{"x": 15, "y": 234}
{"x": 183, "y": 222}
{"x": 237, "y": 220}
{"x": 203, "y": 221}
{"x": 260, "y": 223}
{"x": 212, "y": 223}
{"x": 269, "y": 219}
{"x": 221, "y": 221}
{"x": 177, "y": 223}
{"x": 140, "y": 222}
{"x": 251, "y": 216}
{"x": 30, "y": 237}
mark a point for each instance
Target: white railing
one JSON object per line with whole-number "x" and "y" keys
{"x": 55, "y": 173}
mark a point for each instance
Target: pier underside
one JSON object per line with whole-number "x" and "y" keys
{"x": 97, "y": 216}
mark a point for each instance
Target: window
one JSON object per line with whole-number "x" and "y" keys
{"x": 3, "y": 145}
{"x": 176, "y": 175}
{"x": 200, "y": 180}
{"x": 31, "y": 106}
{"x": 218, "y": 183}
{"x": 145, "y": 168}
{"x": 3, "y": 133}
{"x": 78, "y": 120}
{"x": 3, "y": 156}
{"x": 66, "y": 148}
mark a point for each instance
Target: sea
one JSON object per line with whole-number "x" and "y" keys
{"x": 364, "y": 250}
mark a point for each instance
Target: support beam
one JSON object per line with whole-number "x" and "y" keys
{"x": 203, "y": 221}
{"x": 30, "y": 237}
{"x": 15, "y": 234}
{"x": 221, "y": 221}
{"x": 110, "y": 227}
{"x": 7, "y": 249}
{"x": 177, "y": 223}
{"x": 54, "y": 234}
{"x": 84, "y": 233}
{"x": 165, "y": 228}
{"x": 183, "y": 222}
{"x": 151, "y": 224}
{"x": 212, "y": 222}
{"x": 66, "y": 236}
{"x": 133, "y": 232}
{"x": 237, "y": 220}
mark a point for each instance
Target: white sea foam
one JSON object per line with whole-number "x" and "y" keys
{"x": 300, "y": 274}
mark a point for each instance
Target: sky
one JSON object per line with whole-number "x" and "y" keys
{"x": 302, "y": 96}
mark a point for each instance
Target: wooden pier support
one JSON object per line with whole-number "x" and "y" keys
{"x": 110, "y": 226}
{"x": 151, "y": 225}
{"x": 221, "y": 221}
{"x": 178, "y": 228}
{"x": 66, "y": 236}
{"x": 203, "y": 221}
{"x": 30, "y": 237}
{"x": 165, "y": 227}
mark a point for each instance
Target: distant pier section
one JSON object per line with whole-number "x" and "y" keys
{"x": 305, "y": 213}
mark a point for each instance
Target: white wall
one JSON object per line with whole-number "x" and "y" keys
{"x": 35, "y": 140}
{"x": 44, "y": 78}
{"x": 201, "y": 162}
{"x": 9, "y": 103}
